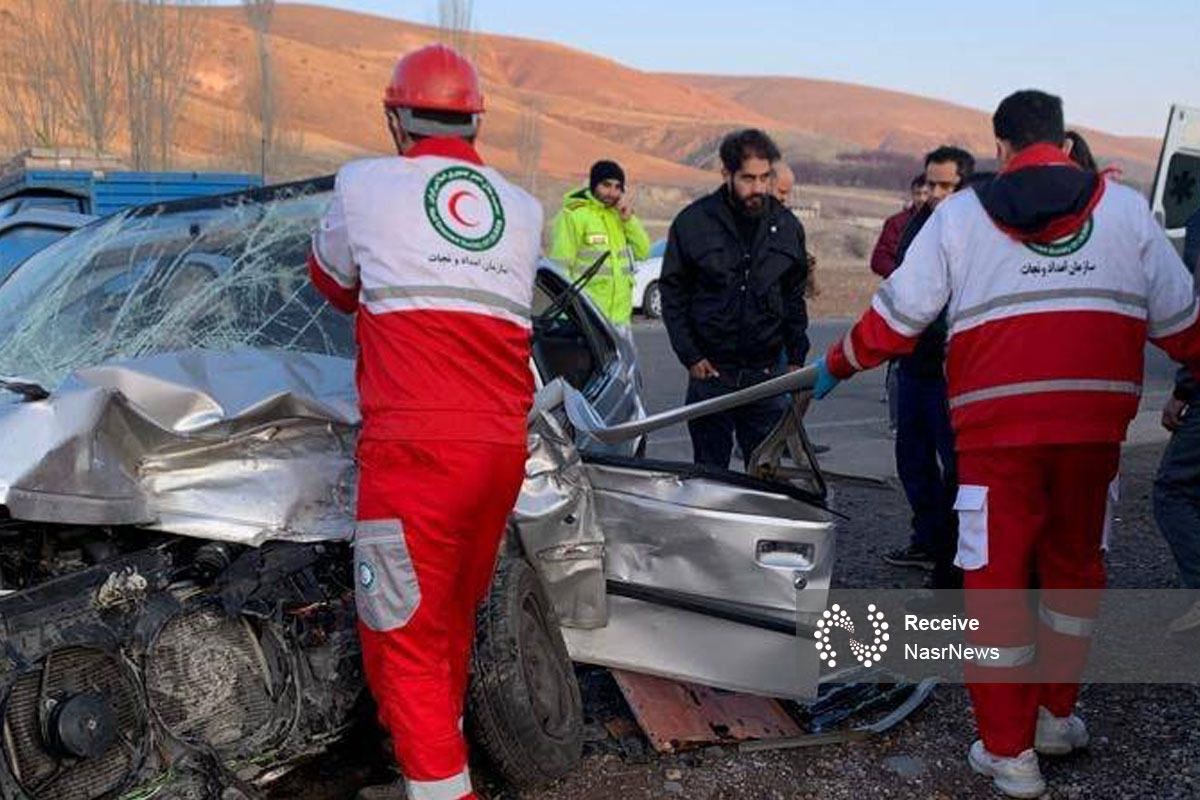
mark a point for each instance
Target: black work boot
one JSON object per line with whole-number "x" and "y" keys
{"x": 384, "y": 791}
{"x": 911, "y": 556}
{"x": 936, "y": 603}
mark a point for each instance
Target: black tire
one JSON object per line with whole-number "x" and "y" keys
{"x": 524, "y": 708}
{"x": 652, "y": 301}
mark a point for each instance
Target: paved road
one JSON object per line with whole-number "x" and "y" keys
{"x": 853, "y": 421}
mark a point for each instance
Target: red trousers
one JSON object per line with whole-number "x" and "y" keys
{"x": 1031, "y": 513}
{"x": 430, "y": 519}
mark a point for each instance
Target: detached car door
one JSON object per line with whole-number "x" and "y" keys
{"x": 689, "y": 573}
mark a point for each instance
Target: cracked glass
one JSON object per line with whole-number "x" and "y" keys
{"x": 216, "y": 274}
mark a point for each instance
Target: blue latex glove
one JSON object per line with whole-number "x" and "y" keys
{"x": 826, "y": 382}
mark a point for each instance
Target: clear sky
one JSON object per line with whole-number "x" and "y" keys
{"x": 1118, "y": 64}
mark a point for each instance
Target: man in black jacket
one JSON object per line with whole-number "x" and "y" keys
{"x": 732, "y": 284}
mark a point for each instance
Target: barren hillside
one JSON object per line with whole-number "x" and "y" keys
{"x": 569, "y": 106}
{"x": 879, "y": 119}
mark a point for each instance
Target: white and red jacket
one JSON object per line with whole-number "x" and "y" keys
{"x": 437, "y": 254}
{"x": 1046, "y": 340}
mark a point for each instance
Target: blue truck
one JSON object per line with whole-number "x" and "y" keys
{"x": 46, "y": 194}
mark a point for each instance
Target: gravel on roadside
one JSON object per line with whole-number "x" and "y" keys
{"x": 1145, "y": 739}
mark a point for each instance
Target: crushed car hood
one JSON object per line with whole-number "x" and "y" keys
{"x": 653, "y": 567}
{"x": 243, "y": 445}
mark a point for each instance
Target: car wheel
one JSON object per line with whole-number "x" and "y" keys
{"x": 524, "y": 706}
{"x": 652, "y": 301}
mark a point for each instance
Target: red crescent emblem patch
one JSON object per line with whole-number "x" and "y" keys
{"x": 452, "y": 206}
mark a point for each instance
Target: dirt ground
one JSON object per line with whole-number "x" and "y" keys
{"x": 1145, "y": 739}
{"x": 844, "y": 289}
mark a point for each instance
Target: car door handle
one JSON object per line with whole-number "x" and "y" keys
{"x": 785, "y": 555}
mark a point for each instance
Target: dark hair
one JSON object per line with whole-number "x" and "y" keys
{"x": 749, "y": 143}
{"x": 979, "y": 178}
{"x": 1028, "y": 117}
{"x": 438, "y": 117}
{"x": 964, "y": 161}
{"x": 1081, "y": 154}
{"x": 444, "y": 117}
{"x": 917, "y": 182}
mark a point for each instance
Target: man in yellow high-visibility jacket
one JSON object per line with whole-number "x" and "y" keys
{"x": 600, "y": 219}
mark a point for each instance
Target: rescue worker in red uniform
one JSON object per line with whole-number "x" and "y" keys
{"x": 436, "y": 254}
{"x": 1055, "y": 277}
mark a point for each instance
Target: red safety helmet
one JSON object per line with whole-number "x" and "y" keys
{"x": 434, "y": 78}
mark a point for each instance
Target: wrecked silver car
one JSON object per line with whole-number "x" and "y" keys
{"x": 177, "y": 484}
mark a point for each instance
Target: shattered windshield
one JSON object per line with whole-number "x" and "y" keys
{"x": 213, "y": 274}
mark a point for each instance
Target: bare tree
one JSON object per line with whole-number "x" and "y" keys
{"x": 455, "y": 18}
{"x": 92, "y": 62}
{"x": 90, "y": 38}
{"x": 30, "y": 90}
{"x": 529, "y": 144}
{"x": 173, "y": 40}
{"x": 235, "y": 138}
{"x": 136, "y": 58}
{"x": 262, "y": 97}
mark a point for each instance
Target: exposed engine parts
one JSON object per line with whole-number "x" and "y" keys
{"x": 74, "y": 725}
{"x": 132, "y": 667}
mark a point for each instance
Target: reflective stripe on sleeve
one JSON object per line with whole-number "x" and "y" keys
{"x": 339, "y": 277}
{"x": 889, "y": 303}
{"x": 848, "y": 349}
{"x": 1160, "y": 329}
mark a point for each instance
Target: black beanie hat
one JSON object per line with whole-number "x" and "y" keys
{"x": 603, "y": 170}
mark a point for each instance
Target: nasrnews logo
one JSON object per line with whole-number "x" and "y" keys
{"x": 871, "y": 651}
{"x": 867, "y": 654}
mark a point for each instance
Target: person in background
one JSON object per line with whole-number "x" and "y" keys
{"x": 925, "y": 460}
{"x": 1080, "y": 152}
{"x": 883, "y": 261}
{"x": 598, "y": 219}
{"x": 1177, "y": 484}
{"x": 883, "y": 257}
{"x": 785, "y": 184}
